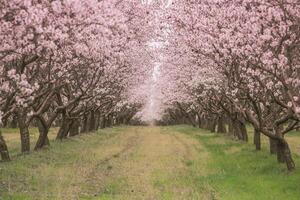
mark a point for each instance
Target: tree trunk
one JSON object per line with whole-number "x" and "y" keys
{"x": 280, "y": 151}
{"x": 230, "y": 126}
{"x": 103, "y": 122}
{"x": 43, "y": 136}
{"x": 284, "y": 154}
{"x": 257, "y": 140}
{"x": 3, "y": 149}
{"x": 243, "y": 131}
{"x": 221, "y": 125}
{"x": 47, "y": 142}
{"x": 74, "y": 128}
{"x": 84, "y": 123}
{"x": 64, "y": 129}
{"x": 108, "y": 121}
{"x": 273, "y": 146}
{"x": 92, "y": 121}
{"x": 278, "y": 144}
{"x": 97, "y": 120}
{"x": 240, "y": 131}
{"x": 14, "y": 121}
{"x": 212, "y": 125}
{"x": 237, "y": 131}
{"x": 199, "y": 120}
{"x": 67, "y": 129}
{"x": 288, "y": 157}
{"x": 24, "y": 132}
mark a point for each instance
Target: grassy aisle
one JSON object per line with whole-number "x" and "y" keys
{"x": 64, "y": 170}
{"x": 128, "y": 163}
{"x": 156, "y": 167}
{"x": 238, "y": 172}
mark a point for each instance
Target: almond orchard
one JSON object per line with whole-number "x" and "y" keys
{"x": 224, "y": 66}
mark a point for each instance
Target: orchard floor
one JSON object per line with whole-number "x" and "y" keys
{"x": 148, "y": 163}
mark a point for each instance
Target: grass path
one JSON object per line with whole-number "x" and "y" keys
{"x": 148, "y": 163}
{"x": 156, "y": 156}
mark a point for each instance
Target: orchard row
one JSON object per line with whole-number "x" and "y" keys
{"x": 235, "y": 62}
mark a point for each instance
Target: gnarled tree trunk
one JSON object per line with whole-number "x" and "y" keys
{"x": 43, "y": 136}
{"x": 284, "y": 154}
{"x": 288, "y": 157}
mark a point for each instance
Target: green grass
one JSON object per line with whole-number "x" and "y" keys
{"x": 12, "y": 138}
{"x": 221, "y": 169}
{"x": 53, "y": 172}
{"x": 243, "y": 173}
{"x": 112, "y": 189}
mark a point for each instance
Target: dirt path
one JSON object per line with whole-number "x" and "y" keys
{"x": 148, "y": 163}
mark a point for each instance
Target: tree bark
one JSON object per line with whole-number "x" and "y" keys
{"x": 280, "y": 151}
{"x": 108, "y": 121}
{"x": 92, "y": 121}
{"x": 288, "y": 157}
{"x": 212, "y": 125}
{"x": 284, "y": 154}
{"x": 221, "y": 125}
{"x": 74, "y": 128}
{"x": 97, "y": 120}
{"x": 273, "y": 146}
{"x": 24, "y": 132}
{"x": 257, "y": 140}
{"x": 243, "y": 131}
{"x": 43, "y": 136}
{"x": 64, "y": 128}
{"x": 103, "y": 122}
{"x": 84, "y": 123}
{"x": 240, "y": 131}
{"x": 3, "y": 149}
{"x": 230, "y": 126}
{"x": 14, "y": 121}
{"x": 199, "y": 120}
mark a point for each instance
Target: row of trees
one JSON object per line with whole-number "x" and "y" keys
{"x": 93, "y": 63}
{"x": 235, "y": 63}
{"x": 67, "y": 63}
